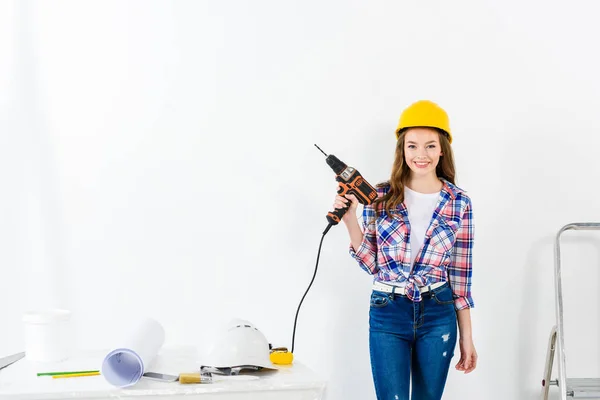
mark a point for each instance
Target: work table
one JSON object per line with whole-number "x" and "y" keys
{"x": 20, "y": 381}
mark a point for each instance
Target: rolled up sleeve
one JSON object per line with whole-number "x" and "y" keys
{"x": 460, "y": 270}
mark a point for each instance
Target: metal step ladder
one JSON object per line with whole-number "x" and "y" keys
{"x": 577, "y": 388}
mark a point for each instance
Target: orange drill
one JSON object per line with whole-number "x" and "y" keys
{"x": 351, "y": 182}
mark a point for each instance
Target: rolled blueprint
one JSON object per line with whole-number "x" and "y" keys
{"x": 125, "y": 365}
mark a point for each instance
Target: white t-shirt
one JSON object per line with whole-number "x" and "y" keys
{"x": 420, "y": 207}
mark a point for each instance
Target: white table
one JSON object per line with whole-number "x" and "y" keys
{"x": 20, "y": 381}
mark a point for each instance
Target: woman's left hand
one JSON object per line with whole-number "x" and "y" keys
{"x": 468, "y": 356}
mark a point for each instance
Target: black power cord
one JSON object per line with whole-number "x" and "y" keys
{"x": 311, "y": 282}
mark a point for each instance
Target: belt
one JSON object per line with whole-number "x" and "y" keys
{"x": 383, "y": 287}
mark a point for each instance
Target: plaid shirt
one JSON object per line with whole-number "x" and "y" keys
{"x": 446, "y": 252}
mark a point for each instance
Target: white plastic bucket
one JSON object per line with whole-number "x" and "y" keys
{"x": 47, "y": 335}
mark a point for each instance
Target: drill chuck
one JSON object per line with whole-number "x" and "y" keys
{"x": 336, "y": 165}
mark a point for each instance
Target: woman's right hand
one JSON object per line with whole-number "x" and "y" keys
{"x": 342, "y": 201}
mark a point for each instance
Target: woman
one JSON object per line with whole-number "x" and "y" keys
{"x": 416, "y": 240}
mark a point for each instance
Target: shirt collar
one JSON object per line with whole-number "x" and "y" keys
{"x": 451, "y": 189}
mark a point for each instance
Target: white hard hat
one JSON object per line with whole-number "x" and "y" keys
{"x": 242, "y": 344}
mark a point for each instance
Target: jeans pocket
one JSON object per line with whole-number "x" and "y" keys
{"x": 443, "y": 295}
{"x": 379, "y": 300}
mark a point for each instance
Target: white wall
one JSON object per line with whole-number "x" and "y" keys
{"x": 163, "y": 152}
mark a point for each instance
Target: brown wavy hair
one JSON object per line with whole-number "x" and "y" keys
{"x": 401, "y": 173}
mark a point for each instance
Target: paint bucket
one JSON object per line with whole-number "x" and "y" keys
{"x": 47, "y": 335}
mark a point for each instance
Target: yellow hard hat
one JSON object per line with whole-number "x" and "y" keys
{"x": 424, "y": 113}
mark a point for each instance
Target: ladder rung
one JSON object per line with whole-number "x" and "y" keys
{"x": 584, "y": 388}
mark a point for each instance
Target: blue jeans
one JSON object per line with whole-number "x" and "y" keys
{"x": 411, "y": 339}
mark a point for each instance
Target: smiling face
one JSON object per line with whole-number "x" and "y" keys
{"x": 422, "y": 151}
{"x": 419, "y": 152}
